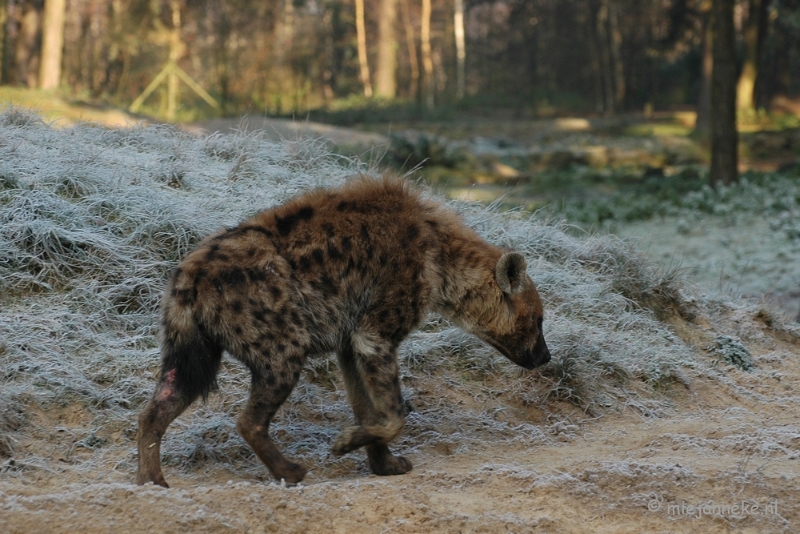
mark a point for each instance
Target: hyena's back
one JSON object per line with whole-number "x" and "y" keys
{"x": 311, "y": 271}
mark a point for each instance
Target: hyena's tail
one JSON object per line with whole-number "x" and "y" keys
{"x": 190, "y": 358}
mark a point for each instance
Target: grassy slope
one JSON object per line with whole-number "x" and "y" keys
{"x": 92, "y": 219}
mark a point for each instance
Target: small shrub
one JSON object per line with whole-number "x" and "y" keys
{"x": 732, "y": 351}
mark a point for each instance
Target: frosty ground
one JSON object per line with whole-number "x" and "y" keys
{"x": 665, "y": 409}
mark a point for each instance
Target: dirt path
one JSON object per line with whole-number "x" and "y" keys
{"x": 726, "y": 459}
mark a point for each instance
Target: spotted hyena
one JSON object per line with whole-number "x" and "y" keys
{"x": 352, "y": 270}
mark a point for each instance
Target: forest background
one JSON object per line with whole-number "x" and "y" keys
{"x": 398, "y": 59}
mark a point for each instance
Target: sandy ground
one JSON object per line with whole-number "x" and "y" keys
{"x": 725, "y": 458}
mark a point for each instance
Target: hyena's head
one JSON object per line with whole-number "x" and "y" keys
{"x": 506, "y": 312}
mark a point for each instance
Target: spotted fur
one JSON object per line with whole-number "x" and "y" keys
{"x": 352, "y": 270}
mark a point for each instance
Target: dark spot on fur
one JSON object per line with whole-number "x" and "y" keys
{"x": 233, "y": 277}
{"x": 276, "y": 292}
{"x": 237, "y": 330}
{"x": 328, "y": 229}
{"x": 185, "y": 296}
{"x": 343, "y": 206}
{"x": 251, "y": 252}
{"x": 413, "y": 231}
{"x": 269, "y": 380}
{"x": 256, "y": 275}
{"x": 334, "y": 253}
{"x": 217, "y": 284}
{"x": 260, "y": 315}
{"x": 281, "y": 348}
{"x": 236, "y": 306}
{"x": 212, "y": 252}
{"x": 286, "y": 224}
{"x": 304, "y": 263}
{"x": 347, "y": 244}
{"x": 318, "y": 255}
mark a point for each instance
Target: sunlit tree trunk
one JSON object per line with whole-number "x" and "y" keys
{"x": 745, "y": 88}
{"x": 52, "y": 43}
{"x": 386, "y": 71}
{"x": 176, "y": 51}
{"x": 427, "y": 60}
{"x": 724, "y": 138}
{"x": 361, "y": 35}
{"x": 411, "y": 44}
{"x": 461, "y": 50}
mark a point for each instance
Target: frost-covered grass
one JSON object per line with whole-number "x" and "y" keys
{"x": 92, "y": 219}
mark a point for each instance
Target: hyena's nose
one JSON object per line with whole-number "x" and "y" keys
{"x": 543, "y": 353}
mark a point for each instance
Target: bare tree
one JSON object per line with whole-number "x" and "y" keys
{"x": 52, "y": 43}
{"x": 745, "y": 88}
{"x": 411, "y": 44}
{"x": 427, "y": 60}
{"x": 461, "y": 50}
{"x": 361, "y": 35}
{"x": 386, "y": 71}
{"x": 703, "y": 122}
{"x": 724, "y": 138}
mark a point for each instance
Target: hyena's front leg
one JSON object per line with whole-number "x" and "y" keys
{"x": 373, "y": 388}
{"x": 268, "y": 390}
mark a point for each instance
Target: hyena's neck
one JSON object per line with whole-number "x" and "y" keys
{"x": 466, "y": 266}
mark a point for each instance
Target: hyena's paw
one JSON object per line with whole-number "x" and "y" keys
{"x": 291, "y": 472}
{"x": 350, "y": 439}
{"x": 389, "y": 465}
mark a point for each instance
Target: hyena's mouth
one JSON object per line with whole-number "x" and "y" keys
{"x": 524, "y": 360}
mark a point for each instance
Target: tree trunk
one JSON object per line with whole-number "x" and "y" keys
{"x": 724, "y": 138}
{"x": 427, "y": 60}
{"x": 9, "y": 38}
{"x": 605, "y": 56}
{"x": 27, "y": 54}
{"x": 745, "y": 88}
{"x": 461, "y": 51}
{"x": 52, "y": 43}
{"x": 3, "y": 20}
{"x": 386, "y": 72}
{"x": 361, "y": 34}
{"x": 411, "y": 44}
{"x": 615, "y": 44}
{"x": 702, "y": 125}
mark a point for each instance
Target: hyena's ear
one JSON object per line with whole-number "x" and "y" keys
{"x": 510, "y": 272}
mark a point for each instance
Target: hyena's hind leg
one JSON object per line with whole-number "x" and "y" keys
{"x": 373, "y": 389}
{"x": 269, "y": 388}
{"x": 188, "y": 370}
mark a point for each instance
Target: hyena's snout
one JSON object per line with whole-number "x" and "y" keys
{"x": 541, "y": 354}
{"x": 537, "y": 356}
